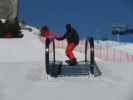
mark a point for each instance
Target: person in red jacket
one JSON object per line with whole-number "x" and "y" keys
{"x": 72, "y": 38}
{"x": 45, "y": 32}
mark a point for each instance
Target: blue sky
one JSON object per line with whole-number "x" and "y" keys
{"x": 89, "y": 17}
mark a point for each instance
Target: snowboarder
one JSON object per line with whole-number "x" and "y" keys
{"x": 72, "y": 39}
{"x": 48, "y": 36}
{"x": 45, "y": 33}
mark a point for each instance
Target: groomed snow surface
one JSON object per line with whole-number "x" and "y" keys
{"x": 22, "y": 75}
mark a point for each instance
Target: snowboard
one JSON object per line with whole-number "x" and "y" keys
{"x": 70, "y": 63}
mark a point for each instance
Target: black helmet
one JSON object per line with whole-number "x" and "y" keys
{"x": 44, "y": 28}
{"x": 68, "y": 27}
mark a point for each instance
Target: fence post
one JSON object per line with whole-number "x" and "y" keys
{"x": 54, "y": 51}
{"x": 92, "y": 59}
{"x": 47, "y": 41}
{"x": 86, "y": 48}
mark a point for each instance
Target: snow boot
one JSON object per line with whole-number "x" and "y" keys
{"x": 71, "y": 62}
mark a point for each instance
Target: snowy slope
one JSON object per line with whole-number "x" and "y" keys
{"x": 126, "y": 47}
{"x": 20, "y": 75}
{"x": 27, "y": 49}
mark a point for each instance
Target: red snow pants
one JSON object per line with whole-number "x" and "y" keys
{"x": 69, "y": 51}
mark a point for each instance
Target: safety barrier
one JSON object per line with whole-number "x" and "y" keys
{"x": 103, "y": 50}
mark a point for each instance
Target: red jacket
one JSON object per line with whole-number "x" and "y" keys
{"x": 47, "y": 34}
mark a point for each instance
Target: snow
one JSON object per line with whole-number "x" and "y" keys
{"x": 19, "y": 83}
{"x": 21, "y": 50}
{"x": 22, "y": 66}
{"x": 124, "y": 48}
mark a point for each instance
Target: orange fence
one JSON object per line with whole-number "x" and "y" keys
{"x": 104, "y": 51}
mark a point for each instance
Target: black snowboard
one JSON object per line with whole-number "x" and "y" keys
{"x": 70, "y": 63}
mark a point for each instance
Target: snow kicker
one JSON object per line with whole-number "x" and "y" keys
{"x": 59, "y": 69}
